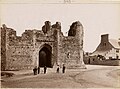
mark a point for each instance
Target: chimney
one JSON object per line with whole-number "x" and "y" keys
{"x": 104, "y": 37}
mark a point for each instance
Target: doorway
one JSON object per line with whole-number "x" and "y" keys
{"x": 45, "y": 56}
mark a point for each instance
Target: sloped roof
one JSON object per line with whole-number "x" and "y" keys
{"x": 99, "y": 53}
{"x": 115, "y": 43}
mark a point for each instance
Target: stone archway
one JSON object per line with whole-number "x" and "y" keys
{"x": 45, "y": 56}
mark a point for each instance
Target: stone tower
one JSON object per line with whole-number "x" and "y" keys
{"x": 76, "y": 30}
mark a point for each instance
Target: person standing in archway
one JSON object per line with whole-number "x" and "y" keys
{"x": 45, "y": 68}
{"x": 38, "y": 69}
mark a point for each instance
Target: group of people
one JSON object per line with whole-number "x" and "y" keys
{"x": 36, "y": 70}
{"x": 63, "y": 69}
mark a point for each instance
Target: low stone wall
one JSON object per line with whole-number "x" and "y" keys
{"x": 107, "y": 62}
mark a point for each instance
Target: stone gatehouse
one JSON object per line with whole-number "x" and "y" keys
{"x": 46, "y": 47}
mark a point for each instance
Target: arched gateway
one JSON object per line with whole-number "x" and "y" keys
{"x": 45, "y": 55}
{"x": 46, "y": 47}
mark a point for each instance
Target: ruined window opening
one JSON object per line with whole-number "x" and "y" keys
{"x": 68, "y": 55}
{"x": 104, "y": 44}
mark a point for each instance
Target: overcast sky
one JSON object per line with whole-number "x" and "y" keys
{"x": 97, "y": 19}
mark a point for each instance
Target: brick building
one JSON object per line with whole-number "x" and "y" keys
{"x": 46, "y": 47}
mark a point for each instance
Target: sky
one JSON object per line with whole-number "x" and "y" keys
{"x": 96, "y": 18}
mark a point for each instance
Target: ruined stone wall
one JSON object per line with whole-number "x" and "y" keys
{"x": 19, "y": 50}
{"x": 19, "y": 57}
{"x": 70, "y": 54}
{"x": 3, "y": 47}
{"x": 71, "y": 47}
{"x": 22, "y": 52}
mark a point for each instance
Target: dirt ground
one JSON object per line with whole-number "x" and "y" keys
{"x": 95, "y": 76}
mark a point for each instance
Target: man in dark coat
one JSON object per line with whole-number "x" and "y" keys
{"x": 35, "y": 70}
{"x": 63, "y": 69}
{"x": 38, "y": 69}
{"x": 45, "y": 68}
{"x": 58, "y": 68}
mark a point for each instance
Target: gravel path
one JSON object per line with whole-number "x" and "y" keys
{"x": 92, "y": 77}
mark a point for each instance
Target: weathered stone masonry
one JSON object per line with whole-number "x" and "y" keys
{"x": 42, "y": 47}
